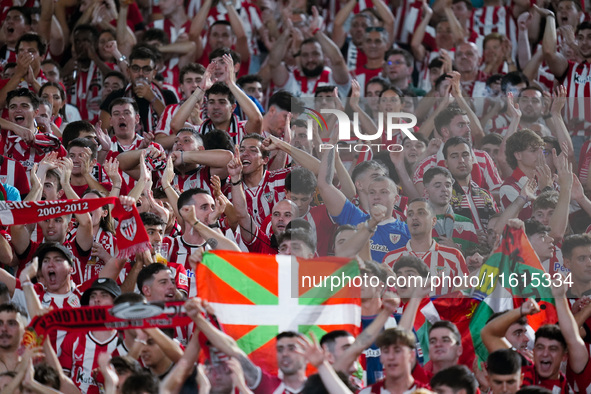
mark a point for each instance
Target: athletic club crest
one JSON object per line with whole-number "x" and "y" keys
{"x": 394, "y": 238}
{"x": 129, "y": 228}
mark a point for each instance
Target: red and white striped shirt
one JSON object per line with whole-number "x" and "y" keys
{"x": 179, "y": 252}
{"x": 261, "y": 199}
{"x": 85, "y": 94}
{"x": 484, "y": 172}
{"x": 578, "y": 87}
{"x": 95, "y": 264}
{"x": 301, "y": 86}
{"x": 200, "y": 177}
{"x": 236, "y": 130}
{"x": 163, "y": 126}
{"x": 26, "y": 154}
{"x": 79, "y": 357}
{"x": 171, "y": 70}
{"x": 584, "y": 161}
{"x": 510, "y": 191}
{"x": 13, "y": 173}
{"x": 442, "y": 261}
{"x": 116, "y": 148}
{"x": 494, "y": 19}
{"x": 407, "y": 18}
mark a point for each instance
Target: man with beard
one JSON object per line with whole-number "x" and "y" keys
{"x": 312, "y": 72}
{"x": 12, "y": 329}
{"x": 531, "y": 103}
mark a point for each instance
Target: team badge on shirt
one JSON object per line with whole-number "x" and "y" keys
{"x": 394, "y": 238}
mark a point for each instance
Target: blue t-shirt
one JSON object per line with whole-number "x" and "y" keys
{"x": 390, "y": 234}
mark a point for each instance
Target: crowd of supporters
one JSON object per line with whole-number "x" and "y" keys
{"x": 197, "y": 112}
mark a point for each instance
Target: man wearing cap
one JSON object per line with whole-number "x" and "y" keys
{"x": 79, "y": 350}
{"x": 55, "y": 262}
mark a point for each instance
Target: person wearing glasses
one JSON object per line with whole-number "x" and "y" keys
{"x": 398, "y": 69}
{"x": 151, "y": 99}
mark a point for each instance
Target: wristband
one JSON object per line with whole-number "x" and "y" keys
{"x": 315, "y": 31}
{"x": 27, "y": 284}
{"x": 196, "y": 223}
{"x": 122, "y": 58}
{"x": 169, "y": 186}
{"x": 236, "y": 183}
{"x": 154, "y": 99}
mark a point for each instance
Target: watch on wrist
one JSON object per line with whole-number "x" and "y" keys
{"x": 122, "y": 58}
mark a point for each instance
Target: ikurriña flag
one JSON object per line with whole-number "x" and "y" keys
{"x": 256, "y": 296}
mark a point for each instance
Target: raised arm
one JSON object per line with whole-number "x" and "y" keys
{"x": 254, "y": 124}
{"x": 559, "y": 219}
{"x": 416, "y": 44}
{"x": 493, "y": 333}
{"x": 578, "y": 356}
{"x": 223, "y": 243}
{"x": 333, "y": 198}
{"x": 339, "y": 34}
{"x": 248, "y": 227}
{"x": 331, "y": 51}
{"x": 555, "y": 60}
{"x": 184, "y": 111}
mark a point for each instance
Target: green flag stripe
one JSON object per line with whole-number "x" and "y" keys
{"x": 306, "y": 329}
{"x": 319, "y": 295}
{"x": 244, "y": 285}
{"x": 257, "y": 338}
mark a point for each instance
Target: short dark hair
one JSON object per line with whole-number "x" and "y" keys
{"x": 156, "y": 34}
{"x": 147, "y": 273}
{"x": 11, "y": 307}
{"x": 408, "y": 261}
{"x": 250, "y": 78}
{"x": 33, "y": 37}
{"x": 298, "y": 234}
{"x": 123, "y": 364}
{"x": 140, "y": 383}
{"x": 552, "y": 332}
{"x": 379, "y": 80}
{"x": 522, "y": 320}
{"x": 186, "y": 196}
{"x": 394, "y": 89}
{"x": 433, "y": 171}
{"x": 324, "y": 89}
{"x": 84, "y": 143}
{"x": 450, "y": 326}
{"x": 329, "y": 339}
{"x": 191, "y": 68}
{"x": 254, "y": 136}
{"x": 396, "y": 336}
{"x": 151, "y": 219}
{"x": 116, "y": 74}
{"x": 586, "y": 25}
{"x": 532, "y": 226}
{"x": 534, "y": 88}
{"x": 223, "y": 89}
{"x": 301, "y": 180}
{"x": 24, "y": 12}
{"x": 492, "y": 138}
{"x": 513, "y": 78}
{"x": 456, "y": 377}
{"x": 546, "y": 200}
{"x": 574, "y": 241}
{"x": 503, "y": 362}
{"x": 220, "y": 52}
{"x": 23, "y": 92}
{"x": 408, "y": 58}
{"x": 223, "y": 23}
{"x": 142, "y": 53}
{"x": 217, "y": 139}
{"x": 287, "y": 334}
{"x": 315, "y": 385}
{"x": 123, "y": 101}
{"x": 455, "y": 141}
{"x": 282, "y": 99}
{"x": 444, "y": 118}
{"x": 73, "y": 130}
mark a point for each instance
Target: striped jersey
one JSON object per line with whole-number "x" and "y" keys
{"x": 178, "y": 252}
{"x": 236, "y": 130}
{"x": 79, "y": 357}
{"x": 13, "y": 173}
{"x": 199, "y": 177}
{"x": 494, "y": 19}
{"x": 261, "y": 199}
{"x": 163, "y": 126}
{"x": 302, "y": 86}
{"x": 95, "y": 264}
{"x": 441, "y": 260}
{"x": 578, "y": 89}
{"x": 510, "y": 191}
{"x": 484, "y": 172}
{"x": 171, "y": 66}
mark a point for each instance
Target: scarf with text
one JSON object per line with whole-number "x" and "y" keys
{"x": 132, "y": 237}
